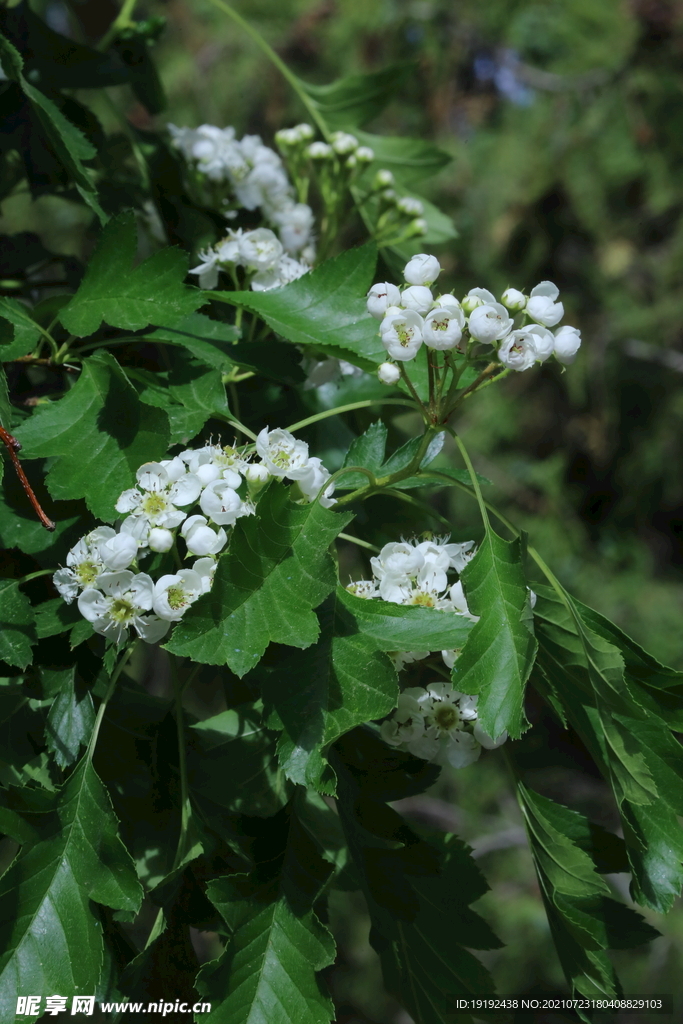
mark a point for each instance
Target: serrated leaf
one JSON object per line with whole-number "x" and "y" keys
{"x": 100, "y": 433}
{"x": 326, "y": 690}
{"x": 418, "y": 893}
{"x": 211, "y": 341}
{"x": 50, "y": 937}
{"x": 190, "y": 395}
{"x": 324, "y": 309}
{"x": 499, "y": 654}
{"x": 584, "y": 919}
{"x": 277, "y": 944}
{"x": 655, "y": 851}
{"x": 26, "y": 330}
{"x": 368, "y": 451}
{"x": 69, "y": 723}
{"x": 130, "y": 297}
{"x": 277, "y": 570}
{"x": 17, "y": 632}
{"x": 395, "y": 627}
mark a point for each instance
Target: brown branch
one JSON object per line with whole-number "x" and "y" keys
{"x": 13, "y": 446}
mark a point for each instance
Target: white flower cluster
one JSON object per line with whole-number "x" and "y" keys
{"x": 194, "y": 496}
{"x": 259, "y": 180}
{"x": 416, "y": 573}
{"x": 260, "y": 252}
{"x": 438, "y": 724}
{"x": 343, "y": 148}
{"x": 413, "y": 315}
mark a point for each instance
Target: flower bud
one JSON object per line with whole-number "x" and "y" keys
{"x": 513, "y": 299}
{"x": 422, "y": 269}
{"x": 344, "y": 143}
{"x": 489, "y": 323}
{"x": 380, "y": 297}
{"x": 411, "y": 207}
{"x": 388, "y": 373}
{"x": 118, "y": 552}
{"x": 365, "y": 155}
{"x": 160, "y": 540}
{"x": 417, "y": 297}
{"x": 567, "y": 343}
{"x": 477, "y": 297}
{"x": 257, "y": 477}
{"x": 419, "y": 226}
{"x": 383, "y": 179}
{"x": 320, "y": 151}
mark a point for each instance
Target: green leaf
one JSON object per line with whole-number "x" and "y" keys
{"x": 584, "y": 919}
{"x": 98, "y": 434}
{"x": 210, "y": 341}
{"x": 190, "y": 395}
{"x": 50, "y": 937}
{"x": 26, "y": 330}
{"x": 499, "y": 654}
{"x": 395, "y": 627}
{"x": 324, "y": 309}
{"x": 277, "y": 944}
{"x": 69, "y": 724}
{"x": 130, "y": 297}
{"x": 367, "y": 450}
{"x": 277, "y": 570}
{"x": 17, "y": 632}
{"x": 326, "y": 690}
{"x": 356, "y": 99}
{"x": 410, "y": 160}
{"x": 418, "y": 893}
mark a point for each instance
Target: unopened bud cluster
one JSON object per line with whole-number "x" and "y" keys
{"x": 414, "y": 315}
{"x": 191, "y": 499}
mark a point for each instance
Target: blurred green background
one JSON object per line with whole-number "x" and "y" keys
{"x": 565, "y": 124}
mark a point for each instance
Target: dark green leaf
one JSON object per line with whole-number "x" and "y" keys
{"x": 277, "y": 944}
{"x": 278, "y": 569}
{"x": 130, "y": 297}
{"x": 410, "y": 160}
{"x": 69, "y": 723}
{"x": 395, "y": 627}
{"x": 210, "y": 341}
{"x": 50, "y": 937}
{"x": 26, "y": 330}
{"x": 324, "y": 309}
{"x": 17, "y": 632}
{"x": 499, "y": 654}
{"x": 100, "y": 432}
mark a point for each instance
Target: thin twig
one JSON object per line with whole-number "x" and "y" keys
{"x": 13, "y": 446}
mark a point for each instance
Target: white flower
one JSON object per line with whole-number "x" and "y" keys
{"x": 365, "y": 155}
{"x": 160, "y": 540}
{"x": 118, "y": 551}
{"x": 567, "y": 344}
{"x": 541, "y": 305}
{"x": 402, "y": 658}
{"x": 380, "y": 297}
{"x": 513, "y": 299}
{"x": 257, "y": 474}
{"x": 222, "y": 504}
{"x": 119, "y": 602}
{"x": 363, "y": 588}
{"x": 417, "y": 297}
{"x": 518, "y": 351}
{"x": 282, "y": 454}
{"x": 383, "y": 179}
{"x": 450, "y": 657}
{"x": 388, "y": 373}
{"x": 489, "y": 322}
{"x": 410, "y": 206}
{"x": 284, "y": 272}
{"x": 205, "y": 568}
{"x": 296, "y": 225}
{"x": 459, "y": 554}
{"x": 200, "y": 538}
{"x": 485, "y": 740}
{"x": 406, "y": 723}
{"x": 84, "y": 564}
{"x": 477, "y": 297}
{"x": 207, "y": 269}
{"x": 401, "y": 334}
{"x": 442, "y": 329}
{"x": 422, "y": 269}
{"x": 312, "y": 479}
{"x": 260, "y": 249}
{"x": 459, "y": 602}
{"x": 173, "y": 594}
{"x": 226, "y": 460}
{"x": 448, "y": 302}
{"x": 156, "y": 497}
{"x": 435, "y": 566}
{"x": 397, "y": 558}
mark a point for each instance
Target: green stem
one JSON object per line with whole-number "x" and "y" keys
{"x": 409, "y": 384}
{"x": 358, "y": 541}
{"x": 114, "y": 678}
{"x": 473, "y": 477}
{"x": 35, "y": 575}
{"x": 122, "y": 20}
{"x": 235, "y": 423}
{"x": 277, "y": 61}
{"x": 365, "y": 404}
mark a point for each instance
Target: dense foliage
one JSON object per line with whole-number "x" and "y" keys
{"x": 234, "y": 771}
